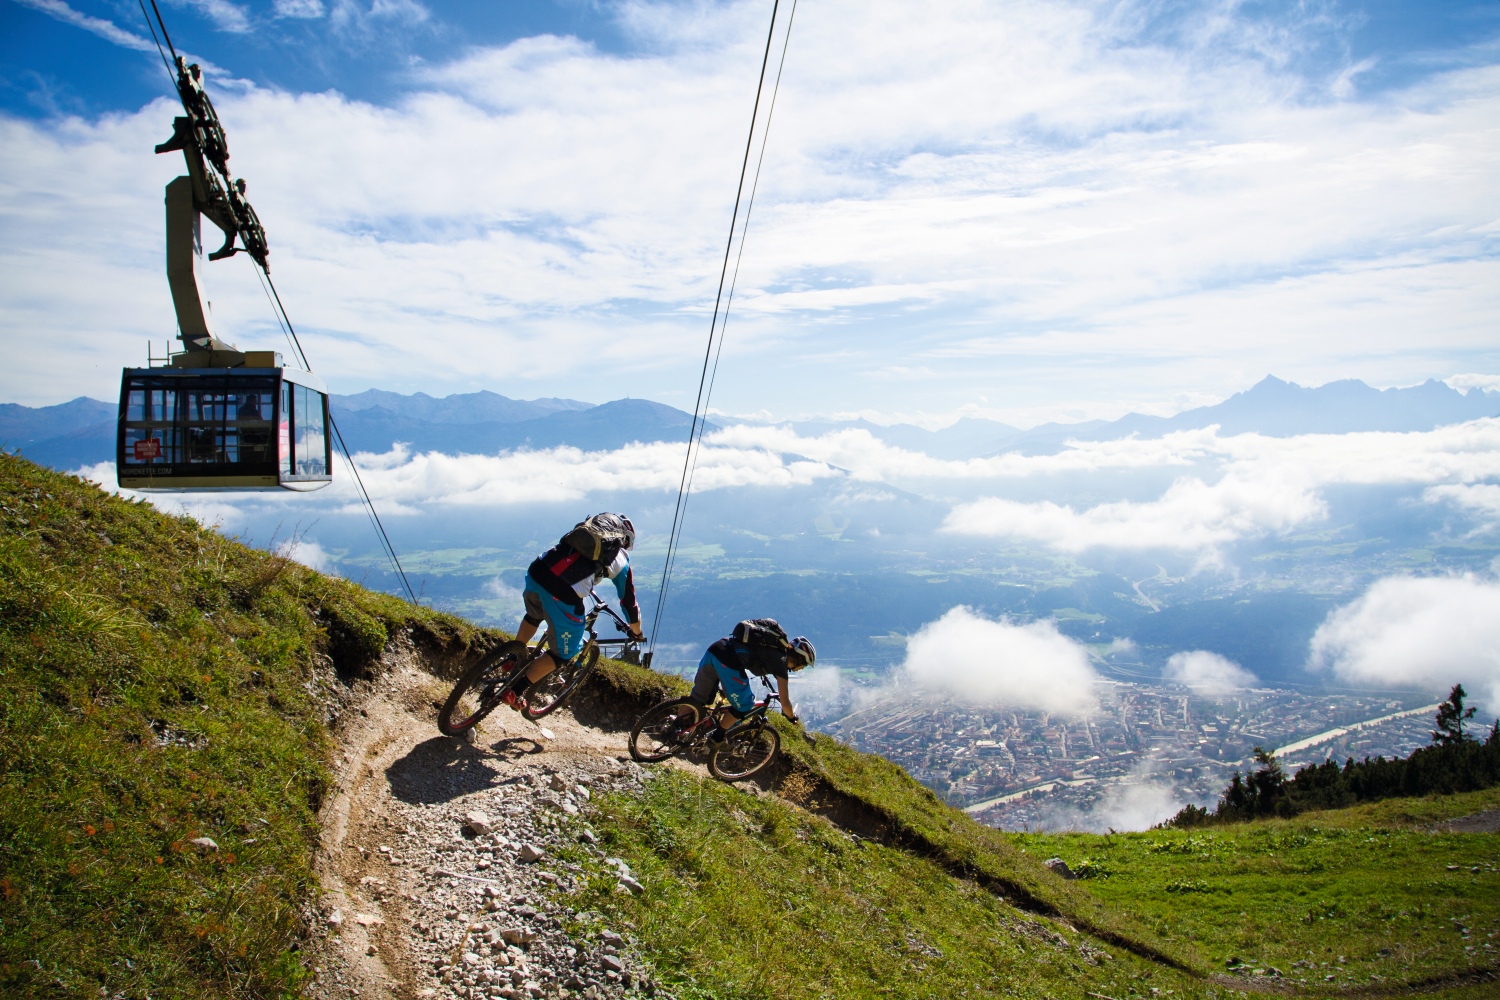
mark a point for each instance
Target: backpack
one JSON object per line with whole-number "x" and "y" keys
{"x": 598, "y": 537}
{"x": 762, "y": 633}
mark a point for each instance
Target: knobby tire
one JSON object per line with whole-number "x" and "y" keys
{"x": 649, "y": 742}
{"x": 547, "y": 695}
{"x": 744, "y": 754}
{"x": 488, "y": 681}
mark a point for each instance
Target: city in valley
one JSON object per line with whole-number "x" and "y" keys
{"x": 1146, "y": 751}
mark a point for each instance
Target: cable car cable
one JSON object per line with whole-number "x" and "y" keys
{"x": 697, "y": 452}
{"x": 152, "y": 28}
{"x": 283, "y": 320}
{"x": 164, "y": 33}
{"x": 705, "y": 383}
{"x": 385, "y": 539}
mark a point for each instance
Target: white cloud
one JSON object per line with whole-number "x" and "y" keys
{"x": 554, "y": 212}
{"x": 1207, "y": 673}
{"x": 1474, "y": 380}
{"x": 308, "y": 553}
{"x": 1482, "y": 499}
{"x": 566, "y": 473}
{"x": 977, "y": 661}
{"x": 1263, "y": 485}
{"x": 226, "y": 16}
{"x": 1431, "y": 632}
{"x": 305, "y": 9}
{"x": 1268, "y": 485}
{"x": 105, "y": 29}
{"x": 1135, "y": 806}
{"x": 1190, "y": 516}
{"x": 1137, "y": 801}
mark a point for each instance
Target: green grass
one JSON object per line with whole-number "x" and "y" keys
{"x": 1365, "y": 895}
{"x": 750, "y": 897}
{"x": 160, "y": 683}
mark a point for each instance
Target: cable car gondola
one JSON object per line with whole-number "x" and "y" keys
{"x": 215, "y": 417}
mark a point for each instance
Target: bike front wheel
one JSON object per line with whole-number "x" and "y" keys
{"x": 547, "y": 695}
{"x": 664, "y": 730}
{"x": 744, "y": 754}
{"x": 481, "y": 687}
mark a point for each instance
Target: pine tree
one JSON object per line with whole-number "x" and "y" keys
{"x": 1451, "y": 716}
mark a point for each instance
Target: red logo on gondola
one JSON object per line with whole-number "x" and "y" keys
{"x": 147, "y": 448}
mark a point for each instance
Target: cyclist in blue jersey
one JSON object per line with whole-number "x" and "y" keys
{"x": 559, "y": 579}
{"x": 760, "y": 647}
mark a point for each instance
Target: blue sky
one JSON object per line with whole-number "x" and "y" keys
{"x": 1025, "y": 211}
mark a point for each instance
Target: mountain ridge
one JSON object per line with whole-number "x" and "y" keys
{"x": 80, "y": 432}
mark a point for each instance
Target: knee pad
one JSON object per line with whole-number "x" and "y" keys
{"x": 533, "y": 622}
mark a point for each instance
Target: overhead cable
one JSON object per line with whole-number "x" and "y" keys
{"x": 720, "y": 319}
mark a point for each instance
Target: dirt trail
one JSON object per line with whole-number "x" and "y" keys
{"x": 422, "y": 898}
{"x": 415, "y": 903}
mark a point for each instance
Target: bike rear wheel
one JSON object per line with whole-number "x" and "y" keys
{"x": 655, "y": 736}
{"x": 481, "y": 687}
{"x": 744, "y": 754}
{"x": 547, "y": 695}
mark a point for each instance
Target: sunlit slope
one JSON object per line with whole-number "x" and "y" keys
{"x": 1375, "y": 897}
{"x": 158, "y": 684}
{"x": 161, "y": 684}
{"x": 747, "y": 896}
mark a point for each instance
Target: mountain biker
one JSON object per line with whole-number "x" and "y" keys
{"x": 758, "y": 646}
{"x": 558, "y": 579}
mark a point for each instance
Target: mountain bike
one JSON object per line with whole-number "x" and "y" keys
{"x": 484, "y": 685}
{"x": 683, "y": 726}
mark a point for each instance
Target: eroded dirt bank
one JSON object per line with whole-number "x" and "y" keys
{"x": 435, "y": 854}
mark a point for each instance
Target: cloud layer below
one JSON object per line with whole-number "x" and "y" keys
{"x": 1207, "y": 673}
{"x": 976, "y": 661}
{"x": 1428, "y": 632}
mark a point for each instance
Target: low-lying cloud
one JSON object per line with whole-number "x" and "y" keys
{"x": 1241, "y": 487}
{"x": 309, "y": 553}
{"x": 1430, "y": 632}
{"x": 1207, "y": 673}
{"x": 1137, "y": 802}
{"x": 1266, "y": 486}
{"x": 1191, "y": 516}
{"x": 977, "y": 661}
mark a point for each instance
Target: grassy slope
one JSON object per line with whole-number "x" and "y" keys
{"x": 1365, "y": 895}
{"x": 750, "y": 897}
{"x": 158, "y": 683}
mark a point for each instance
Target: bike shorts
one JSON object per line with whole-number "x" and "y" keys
{"x": 735, "y": 683}
{"x": 568, "y": 631}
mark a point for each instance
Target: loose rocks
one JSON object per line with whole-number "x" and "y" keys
{"x": 1059, "y": 867}
{"x": 477, "y": 823}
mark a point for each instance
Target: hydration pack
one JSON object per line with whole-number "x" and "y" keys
{"x": 762, "y": 633}
{"x": 600, "y": 538}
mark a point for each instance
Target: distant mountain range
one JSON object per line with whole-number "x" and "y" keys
{"x": 1271, "y": 407}
{"x": 66, "y": 436}
{"x": 81, "y": 432}
{"x": 483, "y": 423}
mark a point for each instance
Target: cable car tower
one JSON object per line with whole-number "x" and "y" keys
{"x": 215, "y": 417}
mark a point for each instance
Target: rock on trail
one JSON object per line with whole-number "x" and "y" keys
{"x": 437, "y": 862}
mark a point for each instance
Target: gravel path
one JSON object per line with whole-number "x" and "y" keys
{"x": 1480, "y": 822}
{"x": 437, "y": 859}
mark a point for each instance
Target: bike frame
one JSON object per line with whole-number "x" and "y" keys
{"x": 589, "y": 619}
{"x": 755, "y": 716}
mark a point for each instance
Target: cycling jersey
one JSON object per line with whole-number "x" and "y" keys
{"x": 566, "y": 574}
{"x": 728, "y": 664}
